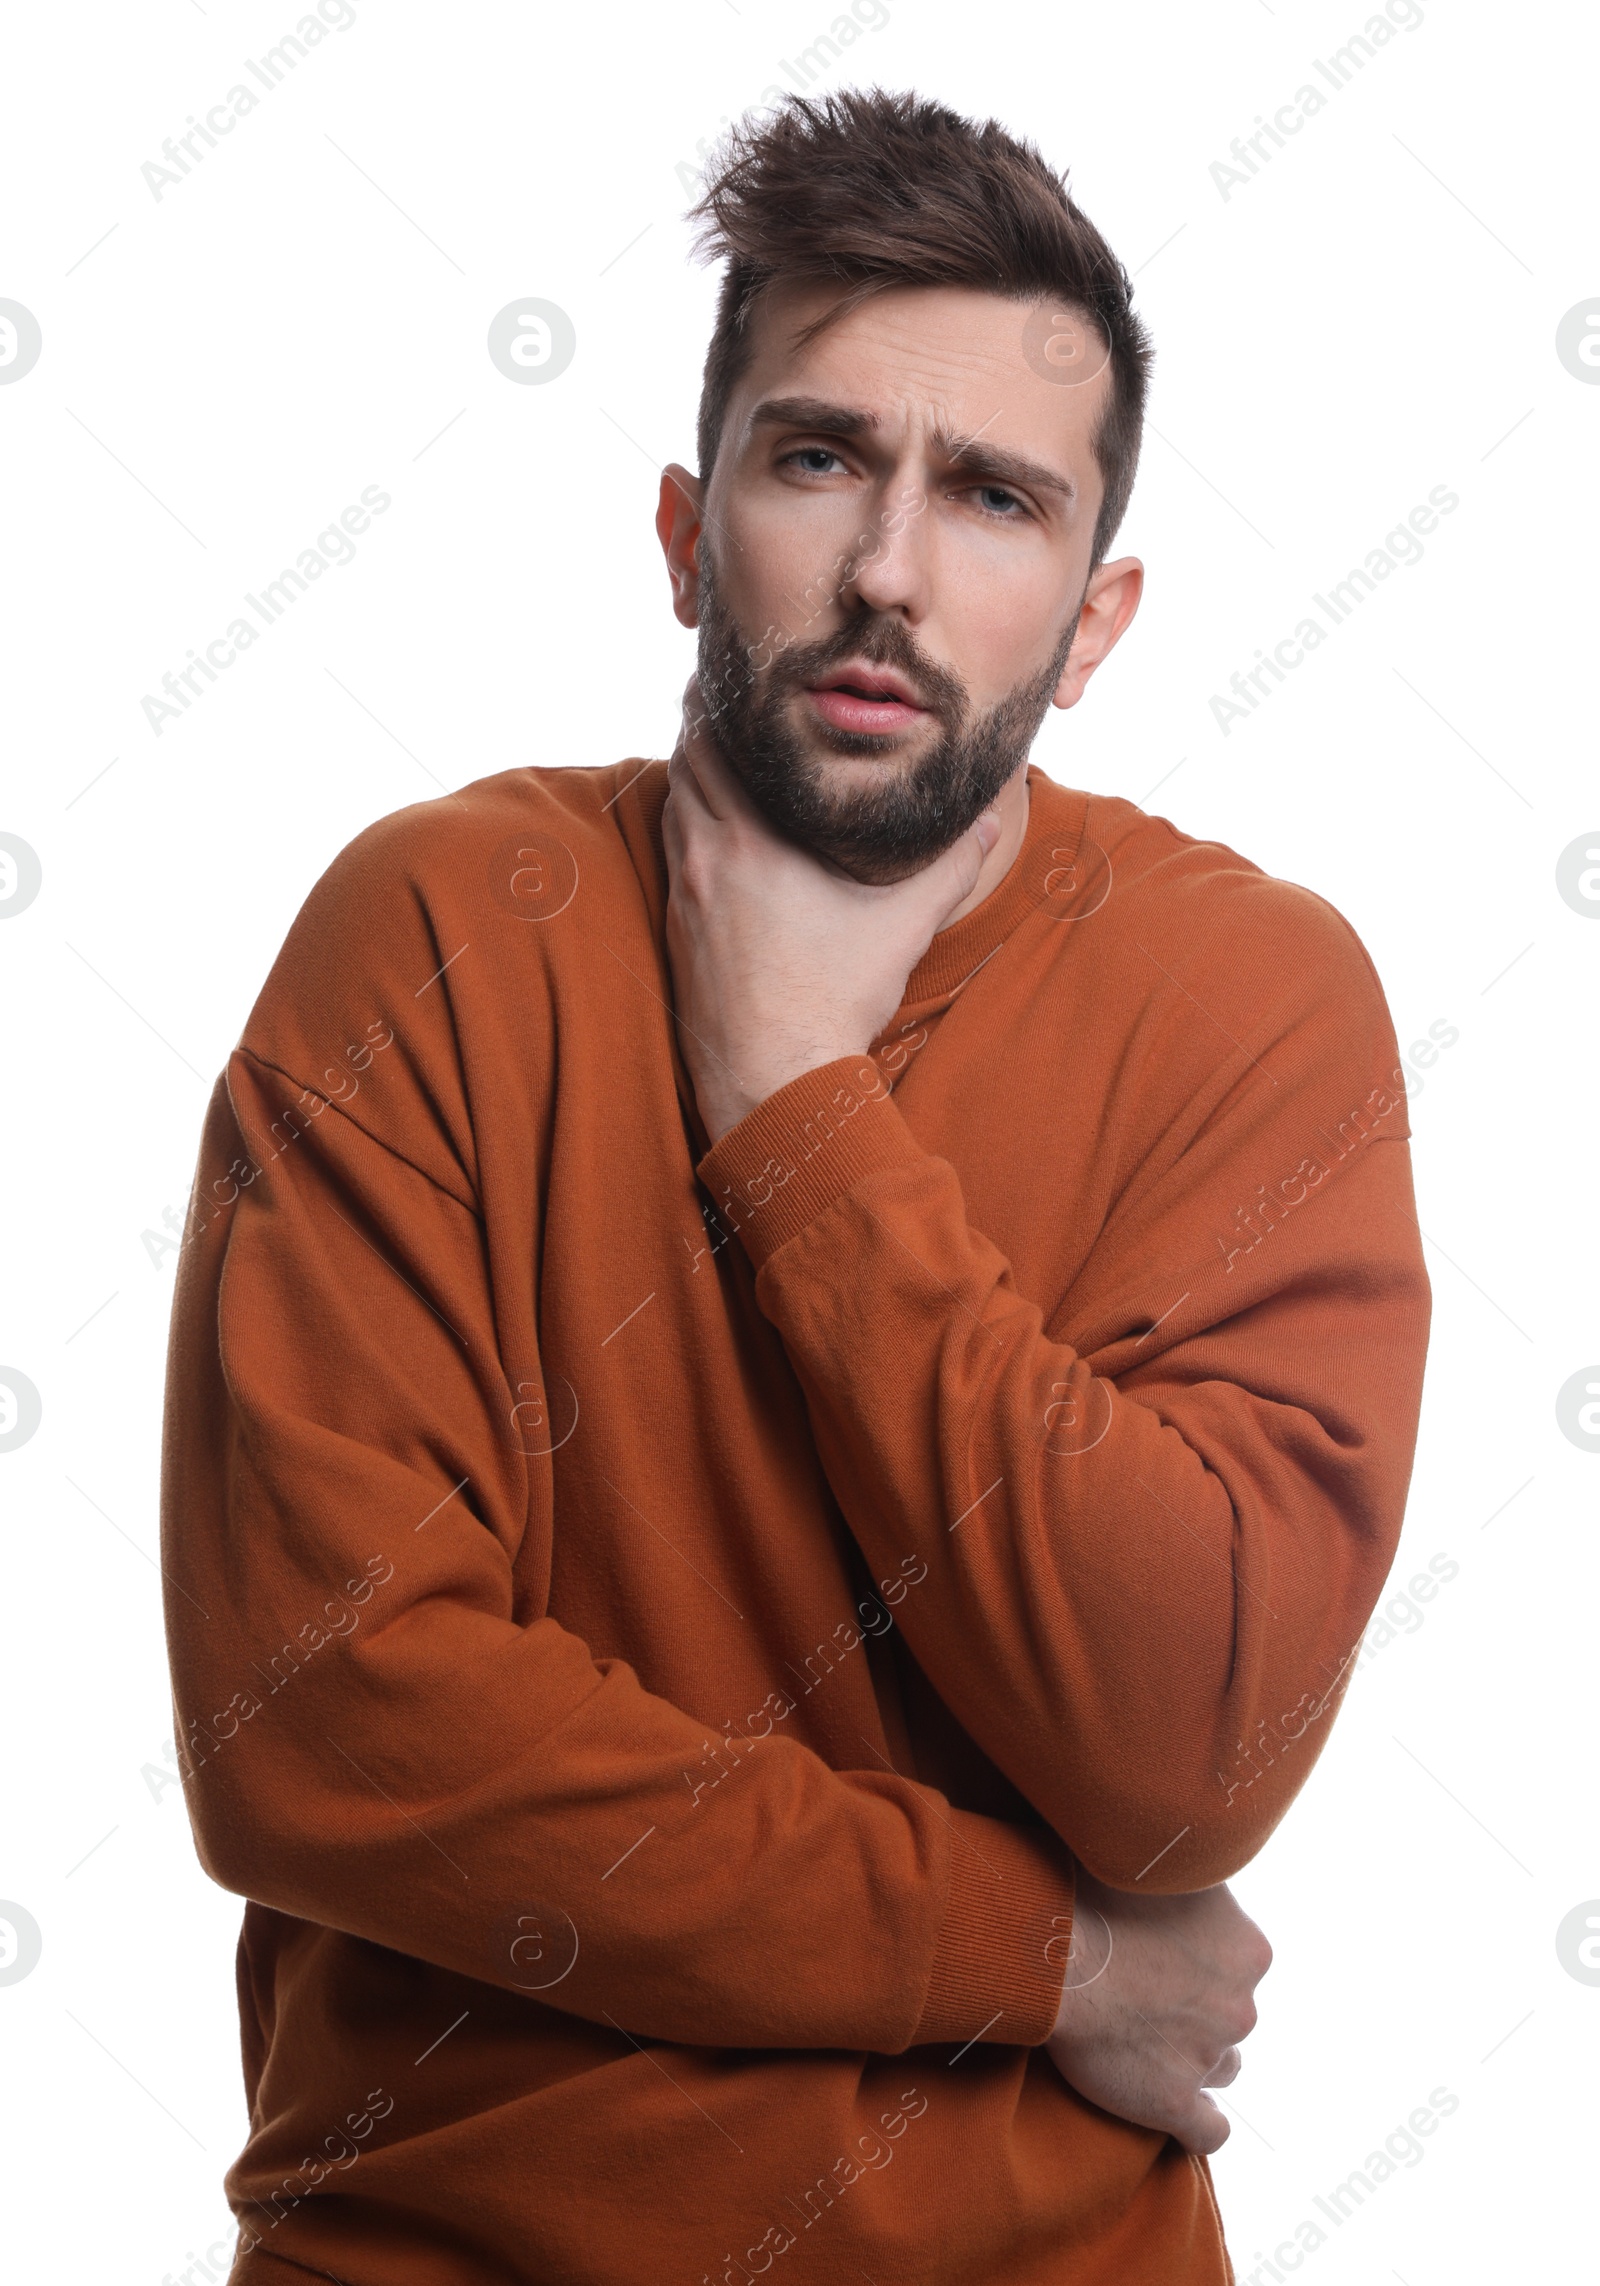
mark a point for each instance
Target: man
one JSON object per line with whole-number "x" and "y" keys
{"x": 794, "y": 1372}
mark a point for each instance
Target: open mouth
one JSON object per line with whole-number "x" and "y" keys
{"x": 865, "y": 699}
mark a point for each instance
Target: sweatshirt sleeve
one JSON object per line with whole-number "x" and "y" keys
{"x": 377, "y": 1734}
{"x": 1157, "y": 1510}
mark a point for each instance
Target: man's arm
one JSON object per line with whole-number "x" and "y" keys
{"x": 377, "y": 1734}
{"x": 1147, "y": 1573}
{"x": 1154, "y": 1531}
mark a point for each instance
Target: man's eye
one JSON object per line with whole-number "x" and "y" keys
{"x": 810, "y": 455}
{"x": 997, "y": 501}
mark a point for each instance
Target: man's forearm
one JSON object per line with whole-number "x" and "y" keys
{"x": 1123, "y": 1586}
{"x": 435, "y": 1775}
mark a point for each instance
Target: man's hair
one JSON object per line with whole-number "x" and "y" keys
{"x": 868, "y": 190}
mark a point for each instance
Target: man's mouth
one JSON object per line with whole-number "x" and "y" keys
{"x": 866, "y": 698}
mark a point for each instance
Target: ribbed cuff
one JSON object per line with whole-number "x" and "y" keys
{"x": 1002, "y": 1954}
{"x": 809, "y": 1143}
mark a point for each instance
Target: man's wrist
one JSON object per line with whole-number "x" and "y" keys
{"x": 996, "y": 1974}
{"x": 723, "y": 1105}
{"x": 1087, "y": 1954}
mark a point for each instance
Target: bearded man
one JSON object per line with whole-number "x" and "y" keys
{"x": 794, "y": 1371}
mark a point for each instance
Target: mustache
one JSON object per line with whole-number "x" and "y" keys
{"x": 881, "y": 641}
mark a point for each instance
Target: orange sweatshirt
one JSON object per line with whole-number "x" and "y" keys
{"x": 653, "y": 1628}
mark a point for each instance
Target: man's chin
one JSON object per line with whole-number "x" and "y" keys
{"x": 845, "y": 842}
{"x": 871, "y": 872}
{"x": 840, "y": 795}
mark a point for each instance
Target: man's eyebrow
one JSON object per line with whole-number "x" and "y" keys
{"x": 991, "y": 463}
{"x": 812, "y": 413}
{"x": 995, "y": 465}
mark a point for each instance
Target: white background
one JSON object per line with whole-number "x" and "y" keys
{"x": 224, "y": 369}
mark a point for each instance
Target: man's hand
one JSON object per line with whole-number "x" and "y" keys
{"x": 1143, "y": 2031}
{"x": 780, "y": 961}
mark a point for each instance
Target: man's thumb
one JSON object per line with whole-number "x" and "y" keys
{"x": 950, "y": 880}
{"x": 963, "y": 862}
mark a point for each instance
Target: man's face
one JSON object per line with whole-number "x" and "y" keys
{"x": 894, "y": 549}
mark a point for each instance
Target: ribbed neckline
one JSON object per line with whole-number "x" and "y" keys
{"x": 1055, "y": 824}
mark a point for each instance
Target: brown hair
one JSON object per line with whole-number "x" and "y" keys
{"x": 873, "y": 190}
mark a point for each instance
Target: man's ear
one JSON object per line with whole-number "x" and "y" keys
{"x": 1109, "y": 603}
{"x": 678, "y": 530}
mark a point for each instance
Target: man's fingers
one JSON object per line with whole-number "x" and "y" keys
{"x": 688, "y": 763}
{"x": 954, "y": 883}
{"x": 672, "y": 832}
{"x": 695, "y": 771}
{"x": 697, "y": 757}
{"x": 691, "y": 714}
{"x": 685, "y": 789}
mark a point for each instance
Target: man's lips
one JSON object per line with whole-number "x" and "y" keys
{"x": 865, "y": 698}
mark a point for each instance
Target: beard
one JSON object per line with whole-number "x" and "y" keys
{"x": 883, "y": 831}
